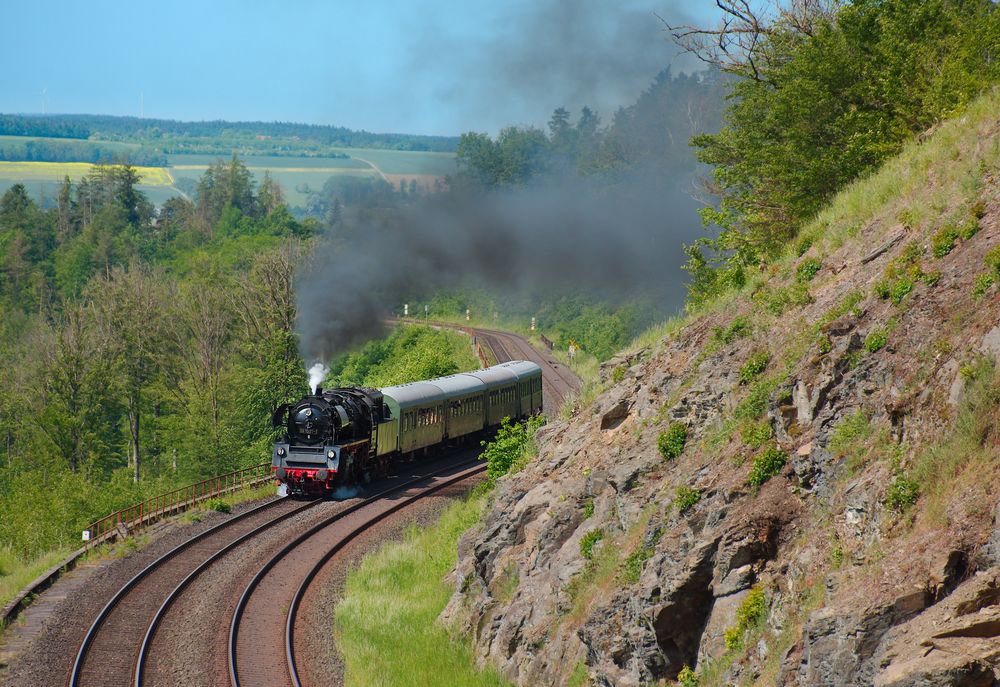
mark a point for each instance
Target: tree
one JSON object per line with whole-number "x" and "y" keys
{"x": 270, "y": 196}
{"x": 128, "y": 305}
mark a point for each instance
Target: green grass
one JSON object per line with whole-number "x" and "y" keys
{"x": 386, "y": 625}
{"x": 16, "y": 574}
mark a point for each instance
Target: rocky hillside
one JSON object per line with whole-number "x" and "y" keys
{"x": 798, "y": 486}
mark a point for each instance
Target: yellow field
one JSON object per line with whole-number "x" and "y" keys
{"x": 55, "y": 171}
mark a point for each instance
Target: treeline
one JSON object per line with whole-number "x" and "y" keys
{"x": 821, "y": 94}
{"x": 176, "y": 136}
{"x": 645, "y": 146}
{"x": 67, "y": 150}
{"x": 650, "y": 137}
{"x": 138, "y": 350}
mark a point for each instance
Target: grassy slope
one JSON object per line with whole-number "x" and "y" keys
{"x": 386, "y": 625}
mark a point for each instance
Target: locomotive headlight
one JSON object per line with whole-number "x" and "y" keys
{"x": 281, "y": 451}
{"x": 331, "y": 454}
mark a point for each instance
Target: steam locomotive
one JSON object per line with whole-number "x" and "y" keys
{"x": 348, "y": 436}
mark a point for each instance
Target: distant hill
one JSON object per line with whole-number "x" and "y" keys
{"x": 172, "y": 136}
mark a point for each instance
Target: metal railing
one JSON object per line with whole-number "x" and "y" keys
{"x": 128, "y": 519}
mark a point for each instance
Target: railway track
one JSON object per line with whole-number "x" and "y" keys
{"x": 262, "y": 642}
{"x": 110, "y": 649}
{"x": 560, "y": 382}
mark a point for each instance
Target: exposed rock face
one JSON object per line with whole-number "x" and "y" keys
{"x": 856, "y": 594}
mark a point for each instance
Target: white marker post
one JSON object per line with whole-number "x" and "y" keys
{"x": 468, "y": 314}
{"x": 406, "y": 309}
{"x": 532, "y": 324}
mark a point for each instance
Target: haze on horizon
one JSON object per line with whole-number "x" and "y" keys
{"x": 436, "y": 67}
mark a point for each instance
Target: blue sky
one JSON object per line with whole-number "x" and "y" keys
{"x": 436, "y": 66}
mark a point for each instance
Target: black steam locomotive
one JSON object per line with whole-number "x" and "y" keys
{"x": 348, "y": 436}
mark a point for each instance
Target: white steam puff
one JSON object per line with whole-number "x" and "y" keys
{"x": 317, "y": 373}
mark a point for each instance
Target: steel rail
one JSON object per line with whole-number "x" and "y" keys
{"x": 323, "y": 524}
{"x": 293, "y": 608}
{"x": 88, "y": 639}
{"x": 176, "y": 592}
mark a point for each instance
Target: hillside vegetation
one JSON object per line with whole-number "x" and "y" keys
{"x": 795, "y": 483}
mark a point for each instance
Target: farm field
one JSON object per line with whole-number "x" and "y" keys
{"x": 296, "y": 175}
{"x": 26, "y": 172}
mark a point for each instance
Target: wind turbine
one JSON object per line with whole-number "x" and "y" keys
{"x": 44, "y": 91}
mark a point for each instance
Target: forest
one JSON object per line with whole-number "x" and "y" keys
{"x": 216, "y": 137}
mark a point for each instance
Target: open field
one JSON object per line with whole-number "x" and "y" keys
{"x": 296, "y": 175}
{"x": 26, "y": 172}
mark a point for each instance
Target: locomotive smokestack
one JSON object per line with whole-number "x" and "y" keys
{"x": 317, "y": 373}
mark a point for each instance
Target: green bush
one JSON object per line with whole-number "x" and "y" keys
{"x": 671, "y": 442}
{"x": 685, "y": 498}
{"x": 509, "y": 446}
{"x": 631, "y": 567}
{"x": 755, "y": 403}
{"x": 930, "y": 278}
{"x": 903, "y": 493}
{"x": 588, "y": 509}
{"x": 756, "y": 434}
{"x": 748, "y": 616}
{"x": 943, "y": 241}
{"x": 755, "y": 365}
{"x": 876, "y": 340}
{"x": 969, "y": 228}
{"x": 808, "y": 269}
{"x": 737, "y": 329}
{"x": 218, "y": 505}
{"x": 618, "y": 374}
{"x": 992, "y": 260}
{"x": 588, "y": 542}
{"x": 766, "y": 465}
{"x": 687, "y": 677}
{"x": 982, "y": 284}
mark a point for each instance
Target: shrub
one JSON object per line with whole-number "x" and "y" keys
{"x": 756, "y": 434}
{"x": 218, "y": 505}
{"x": 671, "y": 442}
{"x": 943, "y": 241}
{"x": 737, "y": 329}
{"x": 876, "y": 340}
{"x": 900, "y": 289}
{"x": 631, "y": 567}
{"x": 756, "y": 364}
{"x": 766, "y": 465}
{"x": 588, "y": 542}
{"x": 755, "y": 403}
{"x": 969, "y": 228}
{"x": 687, "y": 677}
{"x": 808, "y": 269}
{"x": 588, "y": 509}
{"x": 903, "y": 493}
{"x": 992, "y": 260}
{"x": 748, "y": 615}
{"x": 618, "y": 374}
{"x": 509, "y": 446}
{"x": 685, "y": 498}
{"x": 982, "y": 284}
{"x": 930, "y": 278}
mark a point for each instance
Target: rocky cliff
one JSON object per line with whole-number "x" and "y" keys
{"x": 798, "y": 486}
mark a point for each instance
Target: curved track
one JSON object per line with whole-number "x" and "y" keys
{"x": 261, "y": 640}
{"x": 560, "y": 382}
{"x": 109, "y": 651}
